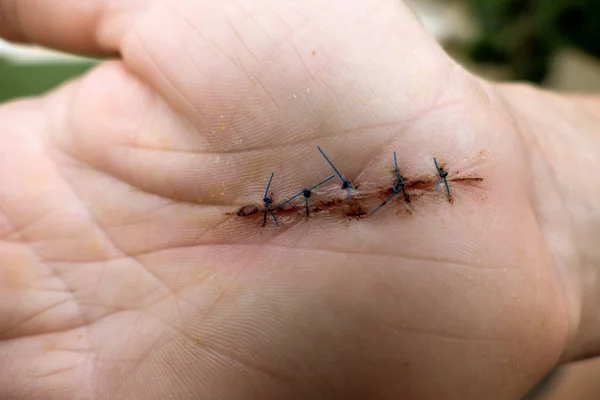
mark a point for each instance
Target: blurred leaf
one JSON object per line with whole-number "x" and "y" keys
{"x": 21, "y": 80}
{"x": 525, "y": 34}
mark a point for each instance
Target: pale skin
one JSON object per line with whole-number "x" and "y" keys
{"x": 122, "y": 276}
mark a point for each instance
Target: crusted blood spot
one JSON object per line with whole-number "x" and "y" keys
{"x": 419, "y": 184}
{"x": 354, "y": 209}
{"x": 468, "y": 180}
{"x": 247, "y": 210}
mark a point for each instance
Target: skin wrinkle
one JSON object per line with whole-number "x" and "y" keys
{"x": 403, "y": 125}
{"x": 239, "y": 37}
{"x": 33, "y": 243}
{"x": 249, "y": 15}
{"x": 201, "y": 234}
{"x": 336, "y": 100}
{"x": 205, "y": 344}
{"x": 141, "y": 358}
{"x": 51, "y": 290}
{"x": 51, "y": 350}
{"x": 33, "y": 252}
{"x": 175, "y": 379}
{"x": 274, "y": 374}
{"x": 113, "y": 311}
{"x": 312, "y": 111}
{"x": 169, "y": 200}
{"x": 19, "y": 230}
{"x": 301, "y": 59}
{"x": 225, "y": 54}
{"x": 406, "y": 121}
{"x": 7, "y": 333}
{"x": 292, "y": 31}
{"x": 185, "y": 120}
{"x": 137, "y": 189}
{"x": 305, "y": 19}
{"x": 17, "y": 234}
{"x": 251, "y": 79}
{"x": 70, "y": 350}
{"x": 238, "y": 358}
{"x": 211, "y": 229}
{"x": 133, "y": 330}
{"x": 171, "y": 293}
{"x": 107, "y": 311}
{"x": 99, "y": 228}
{"x": 163, "y": 286}
{"x": 447, "y": 336}
{"x": 396, "y": 328}
{"x": 271, "y": 99}
{"x": 138, "y": 131}
{"x": 208, "y": 312}
{"x": 436, "y": 260}
{"x": 245, "y": 72}
{"x": 235, "y": 63}
{"x": 166, "y": 80}
{"x": 55, "y": 372}
{"x": 202, "y": 37}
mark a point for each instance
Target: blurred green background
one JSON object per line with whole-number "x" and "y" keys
{"x": 526, "y": 34}
{"x": 19, "y": 80}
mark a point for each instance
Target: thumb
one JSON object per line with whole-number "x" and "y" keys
{"x": 90, "y": 26}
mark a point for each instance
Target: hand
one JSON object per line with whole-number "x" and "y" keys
{"x": 125, "y": 273}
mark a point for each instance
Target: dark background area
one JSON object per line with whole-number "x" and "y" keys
{"x": 526, "y": 34}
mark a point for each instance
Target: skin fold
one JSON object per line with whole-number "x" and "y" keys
{"x": 125, "y": 273}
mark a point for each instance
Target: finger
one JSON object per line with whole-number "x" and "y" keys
{"x": 91, "y": 26}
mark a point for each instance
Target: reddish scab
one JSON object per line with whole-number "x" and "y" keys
{"x": 247, "y": 210}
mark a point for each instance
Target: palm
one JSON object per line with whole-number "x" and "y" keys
{"x": 130, "y": 276}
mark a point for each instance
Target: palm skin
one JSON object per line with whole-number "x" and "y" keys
{"x": 124, "y": 276}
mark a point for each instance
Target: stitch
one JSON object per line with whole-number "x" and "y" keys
{"x": 331, "y": 205}
{"x": 346, "y": 184}
{"x": 268, "y": 201}
{"x": 443, "y": 176}
{"x": 401, "y": 182}
{"x": 306, "y": 192}
{"x": 306, "y": 204}
{"x": 399, "y": 186}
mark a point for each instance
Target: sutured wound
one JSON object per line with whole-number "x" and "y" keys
{"x": 356, "y": 206}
